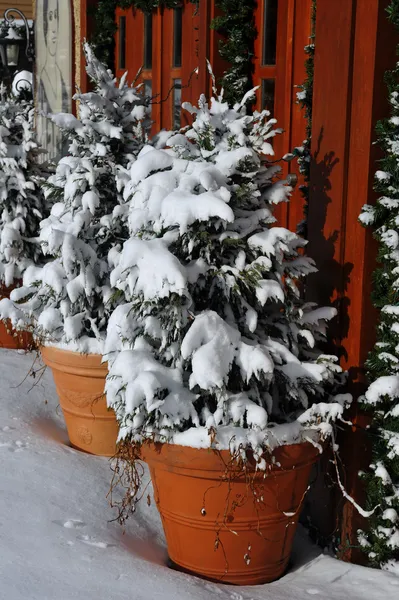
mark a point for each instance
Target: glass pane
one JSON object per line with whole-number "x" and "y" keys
{"x": 177, "y": 36}
{"x": 148, "y": 41}
{"x": 176, "y": 103}
{"x": 148, "y": 87}
{"x": 122, "y": 43}
{"x": 269, "y": 32}
{"x": 12, "y": 51}
{"x": 148, "y": 91}
{"x": 268, "y": 87}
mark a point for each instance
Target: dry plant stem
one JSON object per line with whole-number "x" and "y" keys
{"x": 33, "y": 373}
{"x": 183, "y": 87}
{"x": 361, "y": 511}
{"x": 127, "y": 475}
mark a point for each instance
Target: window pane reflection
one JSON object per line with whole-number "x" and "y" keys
{"x": 269, "y": 32}
{"x": 122, "y": 43}
{"x": 268, "y": 89}
{"x": 147, "y": 41}
{"x": 177, "y": 104}
{"x": 177, "y": 36}
{"x": 148, "y": 91}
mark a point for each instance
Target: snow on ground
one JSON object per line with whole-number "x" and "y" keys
{"x": 57, "y": 541}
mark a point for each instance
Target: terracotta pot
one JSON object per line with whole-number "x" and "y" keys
{"x": 80, "y": 381}
{"x": 9, "y": 338}
{"x": 238, "y": 531}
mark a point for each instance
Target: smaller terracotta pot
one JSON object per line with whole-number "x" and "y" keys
{"x": 80, "y": 381}
{"x": 223, "y": 524}
{"x": 9, "y": 338}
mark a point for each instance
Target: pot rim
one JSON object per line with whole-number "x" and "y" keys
{"x": 187, "y": 459}
{"x": 68, "y": 361}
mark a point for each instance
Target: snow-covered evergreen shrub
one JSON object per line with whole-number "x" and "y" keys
{"x": 381, "y": 541}
{"x": 67, "y": 299}
{"x": 211, "y": 341}
{"x": 22, "y": 202}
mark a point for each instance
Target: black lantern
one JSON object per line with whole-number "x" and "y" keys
{"x": 12, "y": 42}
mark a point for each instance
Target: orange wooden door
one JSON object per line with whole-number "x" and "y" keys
{"x": 168, "y": 46}
{"x": 284, "y": 28}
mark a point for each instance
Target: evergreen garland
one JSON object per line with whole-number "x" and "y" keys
{"x": 305, "y": 99}
{"x": 381, "y": 541}
{"x": 236, "y": 25}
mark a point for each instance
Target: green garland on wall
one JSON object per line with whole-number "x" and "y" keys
{"x": 381, "y": 540}
{"x": 236, "y": 25}
{"x": 305, "y": 100}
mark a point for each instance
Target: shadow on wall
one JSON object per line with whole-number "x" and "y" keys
{"x": 327, "y": 287}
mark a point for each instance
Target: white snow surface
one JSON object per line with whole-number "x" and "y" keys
{"x": 383, "y": 386}
{"x": 57, "y": 541}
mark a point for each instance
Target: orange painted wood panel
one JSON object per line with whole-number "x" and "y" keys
{"x": 374, "y": 52}
{"x": 86, "y": 28}
{"x": 349, "y": 97}
{"x": 369, "y": 104}
{"x": 326, "y": 220}
{"x": 331, "y": 118}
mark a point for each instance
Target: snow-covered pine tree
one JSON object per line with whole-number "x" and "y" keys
{"x": 67, "y": 299}
{"x": 22, "y": 203}
{"x": 381, "y": 541}
{"x": 211, "y": 341}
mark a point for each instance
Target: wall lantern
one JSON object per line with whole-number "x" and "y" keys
{"x": 12, "y": 42}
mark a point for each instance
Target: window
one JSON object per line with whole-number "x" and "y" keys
{"x": 147, "y": 88}
{"x": 266, "y": 68}
{"x": 269, "y": 32}
{"x": 147, "y": 41}
{"x": 268, "y": 91}
{"x": 122, "y": 43}
{"x": 176, "y": 103}
{"x": 176, "y": 71}
{"x": 177, "y": 36}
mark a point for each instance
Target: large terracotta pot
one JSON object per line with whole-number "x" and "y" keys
{"x": 237, "y": 529}
{"x": 9, "y": 338}
{"x": 80, "y": 381}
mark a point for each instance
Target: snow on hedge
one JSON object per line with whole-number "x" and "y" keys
{"x": 211, "y": 336}
{"x": 381, "y": 400}
{"x": 22, "y": 203}
{"x": 67, "y": 301}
